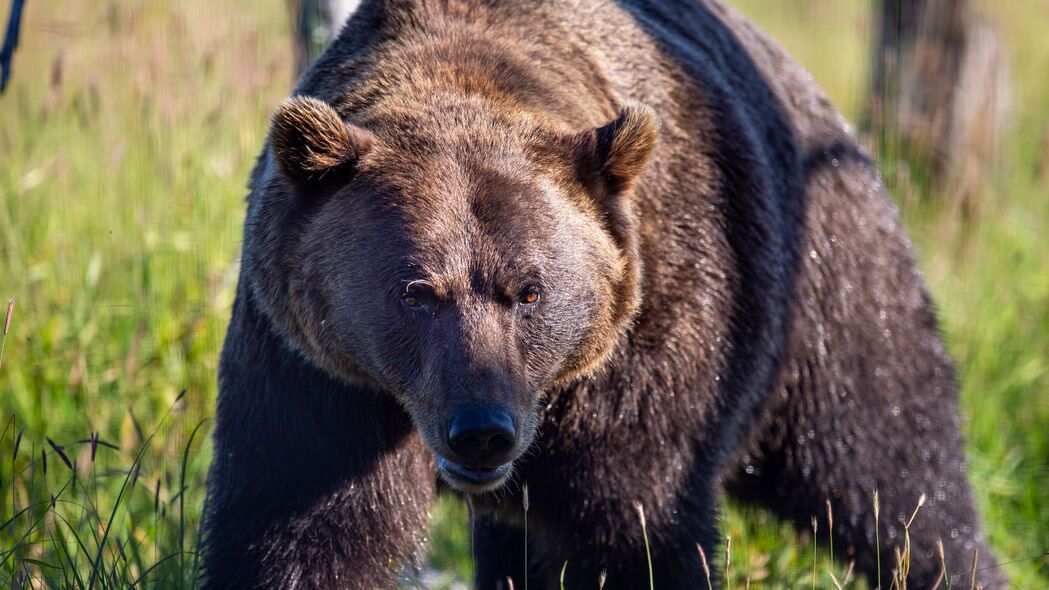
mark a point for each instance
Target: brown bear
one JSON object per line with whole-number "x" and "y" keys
{"x": 624, "y": 252}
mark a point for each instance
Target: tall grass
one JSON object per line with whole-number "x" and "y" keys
{"x": 126, "y": 138}
{"x": 93, "y": 519}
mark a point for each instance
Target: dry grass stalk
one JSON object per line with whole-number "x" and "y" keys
{"x": 830, "y": 528}
{"x": 524, "y": 504}
{"x": 7, "y": 328}
{"x": 648, "y": 551}
{"x": 972, "y": 570}
{"x": 845, "y": 580}
{"x": 877, "y": 535}
{"x": 944, "y": 575}
{"x": 706, "y": 567}
{"x": 815, "y": 539}
{"x": 903, "y": 558}
{"x": 728, "y": 561}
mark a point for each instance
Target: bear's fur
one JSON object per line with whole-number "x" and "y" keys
{"x": 733, "y": 305}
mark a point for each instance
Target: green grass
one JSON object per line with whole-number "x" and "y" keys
{"x": 126, "y": 138}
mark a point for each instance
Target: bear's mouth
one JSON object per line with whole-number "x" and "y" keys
{"x": 470, "y": 479}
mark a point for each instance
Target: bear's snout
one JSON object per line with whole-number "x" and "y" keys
{"x": 481, "y": 444}
{"x": 482, "y": 437}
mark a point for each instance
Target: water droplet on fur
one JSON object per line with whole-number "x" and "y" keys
{"x": 749, "y": 470}
{"x": 954, "y": 533}
{"x": 834, "y": 162}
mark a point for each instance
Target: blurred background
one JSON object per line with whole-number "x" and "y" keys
{"x": 127, "y": 130}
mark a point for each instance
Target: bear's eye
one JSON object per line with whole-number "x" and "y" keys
{"x": 418, "y": 297}
{"x": 529, "y": 296}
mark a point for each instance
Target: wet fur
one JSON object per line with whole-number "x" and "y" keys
{"x": 756, "y": 324}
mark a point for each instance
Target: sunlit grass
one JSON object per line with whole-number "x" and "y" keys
{"x": 126, "y": 139}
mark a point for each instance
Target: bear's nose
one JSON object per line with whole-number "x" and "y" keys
{"x": 482, "y": 437}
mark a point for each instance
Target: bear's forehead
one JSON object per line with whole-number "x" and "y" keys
{"x": 467, "y": 186}
{"x": 473, "y": 194}
{"x": 476, "y": 222}
{"x": 475, "y": 209}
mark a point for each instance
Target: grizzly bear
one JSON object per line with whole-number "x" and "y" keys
{"x": 623, "y": 252}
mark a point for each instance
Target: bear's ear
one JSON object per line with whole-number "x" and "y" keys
{"x": 309, "y": 139}
{"x": 616, "y": 153}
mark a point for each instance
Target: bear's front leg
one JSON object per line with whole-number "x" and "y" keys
{"x": 584, "y": 504}
{"x": 314, "y": 484}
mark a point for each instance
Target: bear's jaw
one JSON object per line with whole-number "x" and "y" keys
{"x": 473, "y": 481}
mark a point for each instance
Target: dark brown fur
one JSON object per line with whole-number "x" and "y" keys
{"x": 732, "y": 305}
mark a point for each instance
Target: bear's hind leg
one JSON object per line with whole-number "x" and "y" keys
{"x": 866, "y": 398}
{"x": 882, "y": 417}
{"x": 795, "y": 474}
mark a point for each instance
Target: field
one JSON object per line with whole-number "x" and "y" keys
{"x": 126, "y": 138}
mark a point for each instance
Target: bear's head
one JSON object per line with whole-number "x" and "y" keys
{"x": 462, "y": 259}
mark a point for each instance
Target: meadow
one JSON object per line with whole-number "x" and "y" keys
{"x": 126, "y": 138}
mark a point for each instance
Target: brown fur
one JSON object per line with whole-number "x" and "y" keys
{"x": 728, "y": 279}
{"x": 309, "y": 138}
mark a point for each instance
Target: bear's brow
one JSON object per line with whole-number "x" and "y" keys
{"x": 433, "y": 281}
